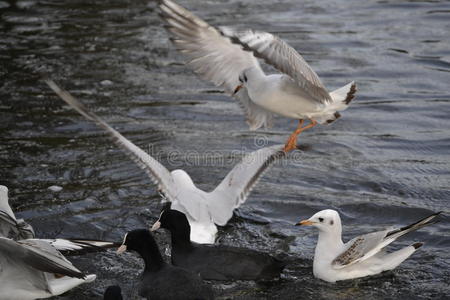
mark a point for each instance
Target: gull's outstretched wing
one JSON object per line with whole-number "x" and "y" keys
{"x": 236, "y": 186}
{"x": 10, "y": 227}
{"x": 157, "y": 172}
{"x": 367, "y": 245}
{"x": 213, "y": 56}
{"x": 283, "y": 57}
{"x": 39, "y": 255}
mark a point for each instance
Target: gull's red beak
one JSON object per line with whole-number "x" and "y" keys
{"x": 237, "y": 89}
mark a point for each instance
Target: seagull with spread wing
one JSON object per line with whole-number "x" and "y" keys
{"x": 362, "y": 256}
{"x": 203, "y": 209}
{"x": 228, "y": 58}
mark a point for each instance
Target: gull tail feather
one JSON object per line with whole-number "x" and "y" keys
{"x": 394, "y": 259}
{"x": 341, "y": 99}
{"x": 343, "y": 96}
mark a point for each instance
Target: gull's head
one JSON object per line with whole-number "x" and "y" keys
{"x": 181, "y": 177}
{"x": 327, "y": 220}
{"x": 245, "y": 77}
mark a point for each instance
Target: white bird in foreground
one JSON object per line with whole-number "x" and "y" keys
{"x": 361, "y": 256}
{"x": 33, "y": 268}
{"x": 228, "y": 59}
{"x": 203, "y": 209}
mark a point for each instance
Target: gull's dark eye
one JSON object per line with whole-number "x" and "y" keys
{"x": 240, "y": 80}
{"x": 245, "y": 78}
{"x": 320, "y": 219}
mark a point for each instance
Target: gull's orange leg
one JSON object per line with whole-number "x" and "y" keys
{"x": 291, "y": 143}
{"x": 292, "y": 140}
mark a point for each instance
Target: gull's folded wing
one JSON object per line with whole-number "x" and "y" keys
{"x": 361, "y": 248}
{"x": 367, "y": 245}
{"x": 39, "y": 255}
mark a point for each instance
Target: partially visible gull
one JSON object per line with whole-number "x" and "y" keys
{"x": 18, "y": 229}
{"x": 33, "y": 268}
{"x": 203, "y": 209}
{"x": 11, "y": 227}
{"x": 228, "y": 58}
{"x": 361, "y": 256}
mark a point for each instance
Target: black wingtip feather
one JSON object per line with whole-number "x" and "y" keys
{"x": 416, "y": 225}
{"x": 417, "y": 245}
{"x": 351, "y": 94}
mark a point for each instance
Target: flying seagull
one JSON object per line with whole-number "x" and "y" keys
{"x": 361, "y": 256}
{"x": 228, "y": 58}
{"x": 203, "y": 209}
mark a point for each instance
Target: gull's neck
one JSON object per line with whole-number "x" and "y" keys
{"x": 329, "y": 245}
{"x": 258, "y": 81}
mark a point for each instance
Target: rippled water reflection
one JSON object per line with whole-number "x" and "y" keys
{"x": 385, "y": 162}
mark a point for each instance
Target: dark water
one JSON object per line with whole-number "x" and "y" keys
{"x": 386, "y": 162}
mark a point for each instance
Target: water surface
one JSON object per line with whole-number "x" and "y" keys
{"x": 386, "y": 162}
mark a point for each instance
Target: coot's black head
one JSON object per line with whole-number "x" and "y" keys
{"x": 174, "y": 221}
{"x": 137, "y": 240}
{"x": 113, "y": 292}
{"x": 142, "y": 241}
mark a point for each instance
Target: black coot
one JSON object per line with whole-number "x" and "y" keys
{"x": 216, "y": 262}
{"x": 161, "y": 280}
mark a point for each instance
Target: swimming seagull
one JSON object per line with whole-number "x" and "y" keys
{"x": 361, "y": 256}
{"x": 203, "y": 209}
{"x": 228, "y": 58}
{"x": 18, "y": 229}
{"x": 33, "y": 268}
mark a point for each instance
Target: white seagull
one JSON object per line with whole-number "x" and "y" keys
{"x": 33, "y": 268}
{"x": 203, "y": 209}
{"x": 361, "y": 256}
{"x": 228, "y": 59}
